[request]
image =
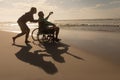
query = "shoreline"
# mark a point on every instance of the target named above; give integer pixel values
(71, 41)
(72, 63)
(103, 55)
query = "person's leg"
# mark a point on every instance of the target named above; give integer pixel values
(20, 34)
(27, 35)
(56, 29)
(57, 32)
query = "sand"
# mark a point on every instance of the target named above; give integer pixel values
(60, 61)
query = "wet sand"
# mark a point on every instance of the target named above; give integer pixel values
(62, 61)
(100, 43)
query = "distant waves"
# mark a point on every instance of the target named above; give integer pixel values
(91, 24)
(86, 27)
(13, 27)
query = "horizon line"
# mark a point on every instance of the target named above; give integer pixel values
(74, 19)
(89, 19)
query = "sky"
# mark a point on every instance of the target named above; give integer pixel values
(11, 10)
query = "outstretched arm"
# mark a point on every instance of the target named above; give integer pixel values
(48, 15)
(33, 20)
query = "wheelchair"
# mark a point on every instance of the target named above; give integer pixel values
(41, 36)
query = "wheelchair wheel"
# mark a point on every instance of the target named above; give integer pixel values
(36, 36)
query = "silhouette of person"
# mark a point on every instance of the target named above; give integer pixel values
(44, 25)
(22, 22)
(36, 59)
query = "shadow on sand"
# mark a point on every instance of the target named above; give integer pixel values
(35, 59)
(50, 50)
(56, 50)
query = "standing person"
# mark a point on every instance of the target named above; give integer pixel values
(44, 25)
(22, 22)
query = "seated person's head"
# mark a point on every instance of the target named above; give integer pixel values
(41, 14)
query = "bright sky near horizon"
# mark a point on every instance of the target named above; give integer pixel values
(11, 10)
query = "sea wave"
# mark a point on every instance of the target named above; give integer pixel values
(109, 28)
(85, 25)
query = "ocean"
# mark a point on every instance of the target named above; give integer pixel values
(91, 24)
(108, 25)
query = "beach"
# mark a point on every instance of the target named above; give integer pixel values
(86, 59)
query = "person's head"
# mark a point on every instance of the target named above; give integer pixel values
(33, 10)
(41, 14)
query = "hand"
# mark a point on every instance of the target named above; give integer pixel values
(51, 13)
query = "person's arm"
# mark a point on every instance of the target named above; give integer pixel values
(33, 20)
(48, 15)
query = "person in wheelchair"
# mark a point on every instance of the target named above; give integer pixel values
(47, 27)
